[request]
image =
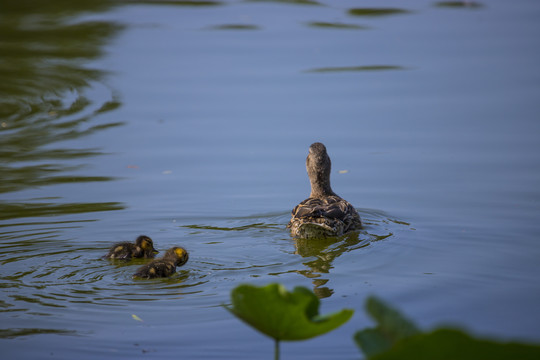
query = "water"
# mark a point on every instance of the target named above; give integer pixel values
(191, 124)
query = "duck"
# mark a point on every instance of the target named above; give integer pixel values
(324, 213)
(142, 248)
(165, 266)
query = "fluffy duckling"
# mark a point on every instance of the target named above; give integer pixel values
(165, 266)
(324, 213)
(143, 248)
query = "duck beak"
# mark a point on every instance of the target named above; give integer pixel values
(155, 251)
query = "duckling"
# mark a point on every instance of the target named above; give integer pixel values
(165, 266)
(324, 213)
(143, 248)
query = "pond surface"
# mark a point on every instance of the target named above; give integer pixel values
(190, 122)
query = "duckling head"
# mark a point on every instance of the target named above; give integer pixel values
(318, 167)
(177, 254)
(146, 244)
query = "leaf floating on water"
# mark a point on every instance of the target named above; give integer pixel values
(343, 171)
(135, 317)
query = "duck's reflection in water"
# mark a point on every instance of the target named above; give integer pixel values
(322, 253)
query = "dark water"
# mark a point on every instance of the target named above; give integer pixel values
(190, 122)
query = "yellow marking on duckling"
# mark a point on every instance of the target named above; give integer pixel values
(180, 252)
(152, 271)
(145, 244)
(118, 248)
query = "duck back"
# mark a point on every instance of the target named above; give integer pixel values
(323, 217)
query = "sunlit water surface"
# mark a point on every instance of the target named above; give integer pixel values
(190, 124)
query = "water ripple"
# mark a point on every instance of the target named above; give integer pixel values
(43, 273)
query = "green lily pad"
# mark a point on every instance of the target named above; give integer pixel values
(284, 315)
(397, 338)
(450, 344)
(391, 327)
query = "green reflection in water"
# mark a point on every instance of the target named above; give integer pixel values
(355, 68)
(46, 98)
(377, 11)
(173, 2)
(235, 27)
(13, 333)
(335, 25)
(459, 4)
(291, 2)
(325, 250)
(19, 210)
(322, 252)
(234, 228)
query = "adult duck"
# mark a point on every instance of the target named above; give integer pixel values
(324, 213)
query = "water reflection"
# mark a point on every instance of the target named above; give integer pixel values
(355, 68)
(313, 259)
(290, 2)
(336, 25)
(377, 12)
(13, 333)
(234, 228)
(35, 209)
(174, 2)
(324, 252)
(459, 4)
(234, 27)
(49, 96)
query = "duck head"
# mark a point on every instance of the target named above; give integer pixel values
(177, 254)
(146, 244)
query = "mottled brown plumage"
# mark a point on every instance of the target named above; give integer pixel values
(165, 266)
(324, 213)
(142, 248)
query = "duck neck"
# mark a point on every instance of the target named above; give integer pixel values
(321, 188)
